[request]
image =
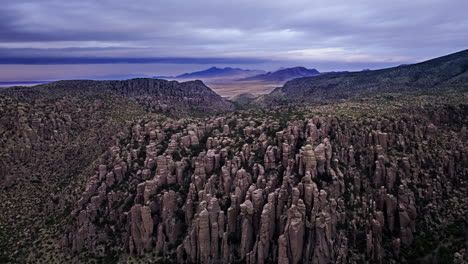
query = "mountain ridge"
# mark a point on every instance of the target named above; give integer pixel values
(156, 94)
(214, 72)
(284, 74)
(450, 70)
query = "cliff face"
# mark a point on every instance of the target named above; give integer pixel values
(153, 94)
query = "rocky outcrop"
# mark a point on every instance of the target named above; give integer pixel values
(246, 186)
(141, 229)
(322, 200)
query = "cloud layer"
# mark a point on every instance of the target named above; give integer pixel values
(339, 33)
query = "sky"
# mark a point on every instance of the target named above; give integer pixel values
(98, 39)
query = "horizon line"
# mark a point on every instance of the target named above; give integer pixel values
(128, 60)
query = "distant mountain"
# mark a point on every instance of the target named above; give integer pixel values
(20, 83)
(89, 77)
(118, 77)
(447, 72)
(283, 75)
(215, 72)
(333, 72)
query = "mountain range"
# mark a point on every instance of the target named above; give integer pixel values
(237, 74)
(215, 72)
(283, 75)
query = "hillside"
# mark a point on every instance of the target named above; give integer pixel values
(154, 94)
(447, 72)
(283, 75)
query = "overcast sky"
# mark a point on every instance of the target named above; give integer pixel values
(57, 39)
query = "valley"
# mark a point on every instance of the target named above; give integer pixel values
(362, 167)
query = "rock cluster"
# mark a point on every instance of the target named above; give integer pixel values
(320, 190)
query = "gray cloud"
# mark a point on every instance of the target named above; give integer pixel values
(333, 33)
